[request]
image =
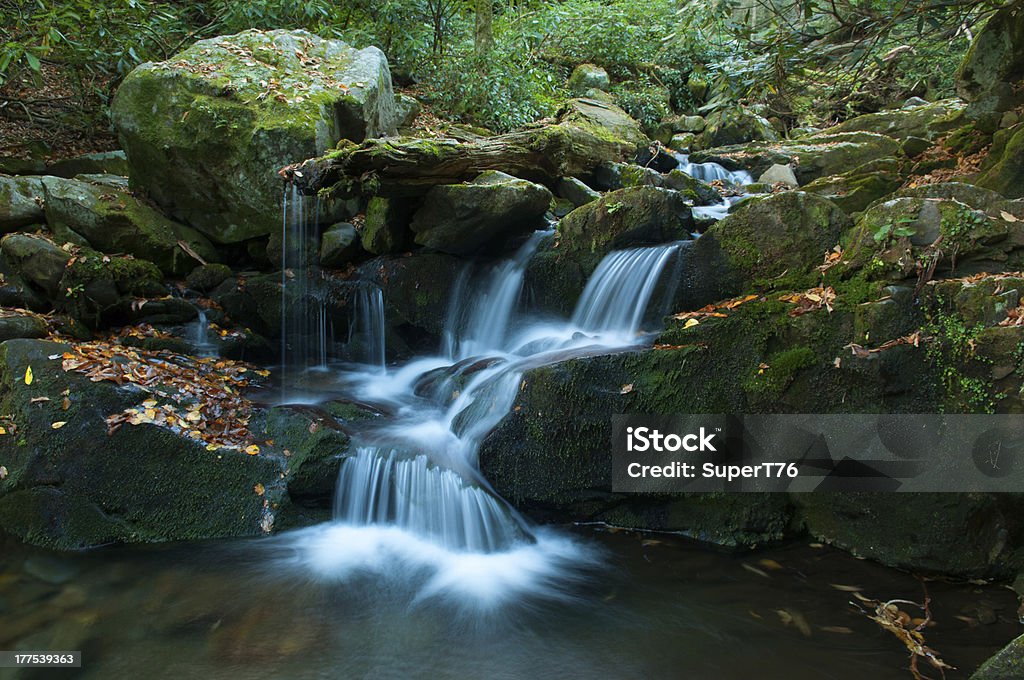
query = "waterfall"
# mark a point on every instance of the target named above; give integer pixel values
(617, 295)
(709, 172)
(366, 325)
(479, 321)
(199, 335)
(419, 471)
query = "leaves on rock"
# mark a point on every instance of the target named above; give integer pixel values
(28, 375)
(713, 310)
(810, 300)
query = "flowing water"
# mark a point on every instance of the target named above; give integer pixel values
(710, 172)
(199, 335)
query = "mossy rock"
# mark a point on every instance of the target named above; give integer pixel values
(116, 222)
(79, 487)
(21, 200)
(386, 229)
(819, 155)
(735, 126)
(486, 215)
(339, 246)
(784, 234)
(927, 121)
(588, 76)
(100, 163)
(207, 130)
(37, 260)
(628, 217)
(993, 66)
(99, 289)
(1006, 664)
(1007, 174)
(859, 188)
(21, 325)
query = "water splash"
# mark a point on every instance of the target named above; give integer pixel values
(709, 172)
(199, 335)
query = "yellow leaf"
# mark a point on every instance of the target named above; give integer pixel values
(193, 416)
(212, 447)
(28, 375)
(3, 431)
(252, 449)
(59, 424)
(691, 323)
(259, 489)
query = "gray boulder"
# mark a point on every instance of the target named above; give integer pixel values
(21, 202)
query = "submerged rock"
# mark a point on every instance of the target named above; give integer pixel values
(485, 214)
(207, 130)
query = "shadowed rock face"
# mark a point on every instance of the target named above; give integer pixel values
(207, 130)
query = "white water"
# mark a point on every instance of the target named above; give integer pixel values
(199, 335)
(710, 172)
(412, 503)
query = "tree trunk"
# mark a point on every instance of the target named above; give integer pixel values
(586, 134)
(484, 38)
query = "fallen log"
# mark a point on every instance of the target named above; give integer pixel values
(585, 133)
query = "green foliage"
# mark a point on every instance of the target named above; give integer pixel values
(900, 228)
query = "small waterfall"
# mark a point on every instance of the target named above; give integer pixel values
(199, 335)
(709, 172)
(382, 487)
(366, 325)
(479, 321)
(619, 291)
(303, 311)
(419, 472)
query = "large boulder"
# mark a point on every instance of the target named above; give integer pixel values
(207, 130)
(855, 190)
(485, 214)
(38, 260)
(633, 216)
(114, 221)
(386, 229)
(1006, 664)
(993, 66)
(21, 202)
(586, 77)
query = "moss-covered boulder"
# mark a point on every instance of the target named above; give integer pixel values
(575, 191)
(735, 126)
(627, 217)
(21, 324)
(114, 221)
(901, 237)
(206, 277)
(207, 130)
(783, 235)
(487, 214)
(993, 66)
(99, 163)
(926, 121)
(76, 487)
(819, 155)
(1007, 174)
(99, 289)
(21, 202)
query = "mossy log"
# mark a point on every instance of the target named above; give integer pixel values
(584, 134)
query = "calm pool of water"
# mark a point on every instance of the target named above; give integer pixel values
(657, 607)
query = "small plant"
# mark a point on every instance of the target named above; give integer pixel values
(898, 229)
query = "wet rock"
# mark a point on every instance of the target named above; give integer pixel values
(1006, 664)
(116, 222)
(205, 138)
(339, 246)
(927, 121)
(683, 141)
(485, 214)
(97, 289)
(588, 76)
(624, 218)
(693, 190)
(21, 202)
(859, 188)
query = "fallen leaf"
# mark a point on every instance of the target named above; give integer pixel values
(36, 400)
(626, 389)
(59, 424)
(846, 589)
(690, 323)
(28, 375)
(837, 629)
(754, 570)
(252, 449)
(3, 472)
(1008, 217)
(259, 489)
(770, 564)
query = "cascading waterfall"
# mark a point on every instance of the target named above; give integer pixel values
(366, 325)
(199, 335)
(480, 322)
(710, 172)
